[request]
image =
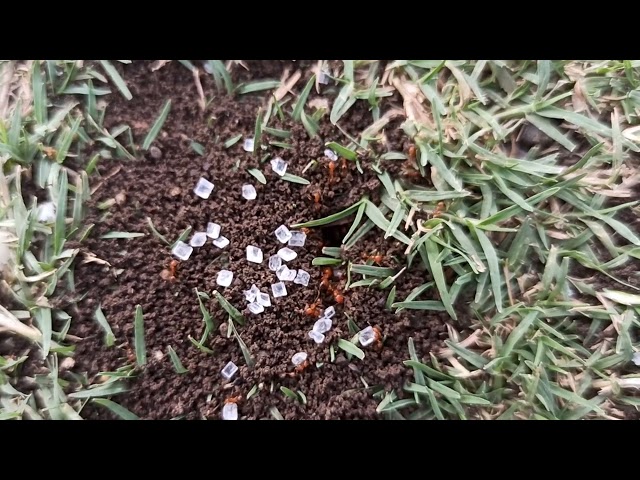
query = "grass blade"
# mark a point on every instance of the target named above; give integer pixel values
(230, 309)
(342, 151)
(157, 126)
(302, 100)
(119, 410)
(258, 86)
(117, 79)
(258, 175)
(109, 337)
(139, 341)
(350, 348)
(437, 272)
(257, 136)
(492, 261)
(113, 235)
(177, 364)
(295, 179)
(342, 103)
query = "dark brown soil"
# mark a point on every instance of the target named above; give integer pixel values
(162, 190)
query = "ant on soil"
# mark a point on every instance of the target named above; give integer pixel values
(327, 274)
(378, 338)
(441, 208)
(377, 258)
(235, 399)
(332, 168)
(170, 273)
(313, 310)
(300, 368)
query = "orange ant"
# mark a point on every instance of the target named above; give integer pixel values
(170, 273)
(50, 152)
(300, 368)
(327, 273)
(337, 296)
(332, 167)
(377, 258)
(441, 207)
(378, 338)
(235, 399)
(344, 164)
(313, 310)
(305, 230)
(412, 152)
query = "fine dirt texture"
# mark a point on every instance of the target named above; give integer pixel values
(159, 187)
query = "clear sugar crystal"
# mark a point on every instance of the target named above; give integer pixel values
(256, 308)
(279, 166)
(221, 241)
(198, 239)
(366, 336)
(225, 277)
(229, 370)
(182, 251)
(323, 325)
(282, 234)
(299, 358)
(274, 262)
(254, 254)
(283, 273)
(329, 312)
(316, 336)
(264, 299)
(248, 145)
(287, 254)
(279, 290)
(230, 411)
(302, 278)
(203, 188)
(249, 192)
(252, 293)
(213, 230)
(297, 239)
(331, 155)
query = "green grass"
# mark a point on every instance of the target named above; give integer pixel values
(513, 231)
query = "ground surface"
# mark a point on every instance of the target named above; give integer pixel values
(561, 346)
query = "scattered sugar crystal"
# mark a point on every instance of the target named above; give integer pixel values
(322, 325)
(302, 278)
(213, 230)
(279, 290)
(330, 154)
(221, 241)
(283, 273)
(198, 239)
(248, 145)
(329, 312)
(203, 188)
(256, 308)
(230, 411)
(208, 68)
(297, 239)
(254, 254)
(279, 166)
(274, 262)
(229, 370)
(287, 254)
(252, 293)
(366, 336)
(182, 251)
(47, 212)
(282, 234)
(323, 78)
(249, 192)
(299, 358)
(224, 278)
(264, 299)
(316, 336)
(636, 359)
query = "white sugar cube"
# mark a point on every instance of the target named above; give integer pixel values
(221, 241)
(256, 308)
(274, 262)
(249, 192)
(367, 336)
(229, 370)
(287, 254)
(636, 359)
(302, 278)
(230, 411)
(252, 293)
(198, 239)
(299, 358)
(203, 188)
(224, 278)
(297, 239)
(316, 336)
(329, 312)
(182, 250)
(264, 299)
(331, 155)
(254, 254)
(322, 325)
(213, 230)
(323, 78)
(279, 290)
(47, 212)
(282, 234)
(279, 166)
(248, 145)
